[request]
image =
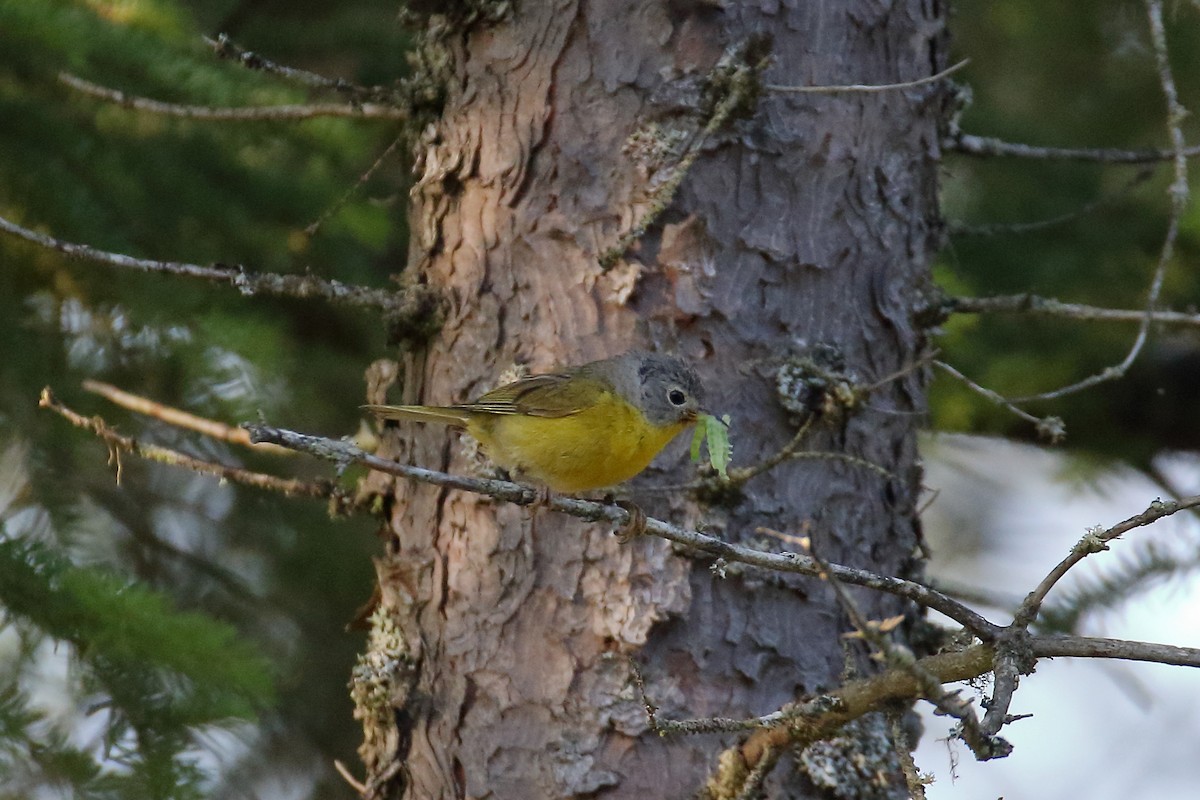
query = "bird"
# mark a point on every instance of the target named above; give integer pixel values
(581, 428)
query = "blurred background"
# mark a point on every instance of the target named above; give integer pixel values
(189, 565)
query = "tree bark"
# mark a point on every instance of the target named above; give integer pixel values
(804, 230)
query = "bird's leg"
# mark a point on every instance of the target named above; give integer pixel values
(635, 526)
(545, 495)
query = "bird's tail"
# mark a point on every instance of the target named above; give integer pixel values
(446, 415)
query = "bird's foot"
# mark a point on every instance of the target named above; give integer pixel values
(635, 526)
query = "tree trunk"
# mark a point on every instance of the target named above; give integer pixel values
(801, 235)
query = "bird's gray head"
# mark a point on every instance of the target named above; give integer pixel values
(665, 388)
(671, 390)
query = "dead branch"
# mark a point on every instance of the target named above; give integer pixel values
(1050, 307)
(854, 699)
(344, 453)
(415, 306)
(314, 226)
(818, 718)
(983, 743)
(955, 228)
(869, 87)
(224, 47)
(118, 444)
(1050, 427)
(1178, 193)
(236, 114)
(177, 417)
(984, 146)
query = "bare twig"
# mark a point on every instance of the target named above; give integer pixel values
(789, 726)
(349, 778)
(312, 228)
(1014, 657)
(752, 786)
(417, 304)
(985, 745)
(903, 748)
(1002, 228)
(1178, 193)
(235, 114)
(739, 476)
(118, 444)
(1006, 672)
(1049, 424)
(1095, 541)
(869, 87)
(343, 452)
(969, 144)
(1049, 307)
(818, 718)
(1117, 649)
(180, 419)
(224, 47)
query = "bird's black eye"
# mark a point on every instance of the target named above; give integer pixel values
(676, 397)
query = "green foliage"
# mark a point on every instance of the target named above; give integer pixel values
(158, 672)
(86, 170)
(139, 646)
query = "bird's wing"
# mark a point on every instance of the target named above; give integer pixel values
(554, 395)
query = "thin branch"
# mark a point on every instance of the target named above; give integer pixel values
(417, 304)
(1094, 541)
(1117, 649)
(1002, 228)
(117, 443)
(312, 228)
(984, 744)
(752, 786)
(344, 453)
(1009, 665)
(235, 114)
(1176, 113)
(1178, 193)
(739, 476)
(800, 724)
(178, 418)
(869, 87)
(1050, 307)
(1050, 426)
(349, 778)
(224, 47)
(820, 717)
(984, 146)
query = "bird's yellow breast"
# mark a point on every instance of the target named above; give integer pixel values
(606, 443)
